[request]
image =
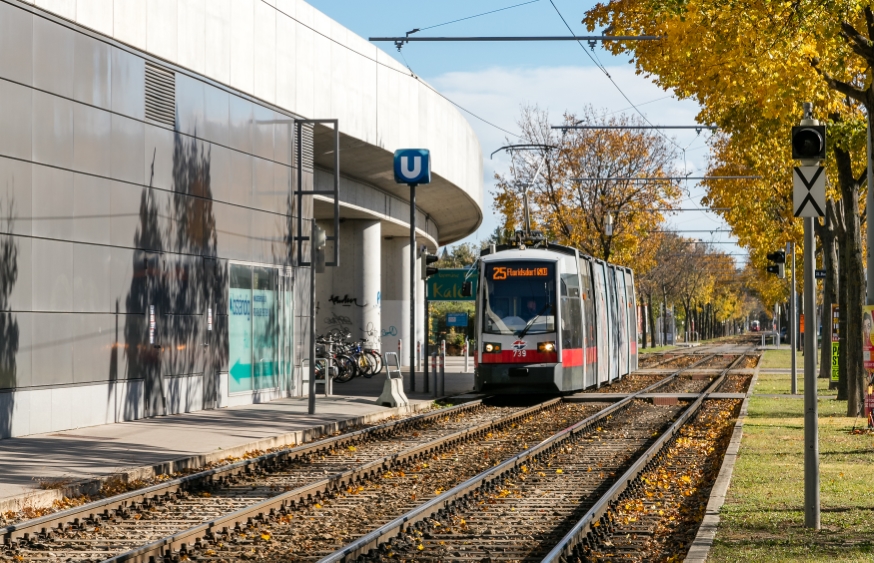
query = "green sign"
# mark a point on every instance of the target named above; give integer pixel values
(446, 284)
(836, 337)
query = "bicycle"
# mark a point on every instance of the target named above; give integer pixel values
(344, 367)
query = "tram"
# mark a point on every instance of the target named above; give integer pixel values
(552, 320)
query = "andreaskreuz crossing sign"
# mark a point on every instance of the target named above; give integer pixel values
(808, 191)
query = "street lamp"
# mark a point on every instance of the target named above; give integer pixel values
(608, 226)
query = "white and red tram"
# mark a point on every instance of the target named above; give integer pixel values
(550, 320)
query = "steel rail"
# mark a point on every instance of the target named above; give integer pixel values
(583, 527)
(107, 507)
(382, 534)
(666, 357)
(282, 503)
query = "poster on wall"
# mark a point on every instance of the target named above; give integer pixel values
(263, 305)
(240, 332)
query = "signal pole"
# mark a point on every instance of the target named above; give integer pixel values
(808, 146)
(793, 317)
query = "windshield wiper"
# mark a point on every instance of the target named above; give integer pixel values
(524, 331)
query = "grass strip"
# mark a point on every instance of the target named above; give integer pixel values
(782, 359)
(763, 517)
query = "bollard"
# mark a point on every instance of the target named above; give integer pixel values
(329, 371)
(442, 389)
(434, 372)
(393, 388)
(400, 348)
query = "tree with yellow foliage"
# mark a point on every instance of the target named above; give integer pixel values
(749, 65)
(581, 177)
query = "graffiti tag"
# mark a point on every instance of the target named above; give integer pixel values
(345, 301)
(338, 320)
(390, 331)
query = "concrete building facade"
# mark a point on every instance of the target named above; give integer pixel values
(147, 210)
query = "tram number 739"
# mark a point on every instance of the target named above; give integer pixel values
(519, 350)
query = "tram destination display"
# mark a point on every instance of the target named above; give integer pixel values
(506, 272)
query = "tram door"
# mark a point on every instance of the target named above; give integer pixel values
(602, 323)
(632, 320)
(613, 321)
(622, 310)
(590, 340)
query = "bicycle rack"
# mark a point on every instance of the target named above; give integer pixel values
(393, 389)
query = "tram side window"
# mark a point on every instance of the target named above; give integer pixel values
(571, 312)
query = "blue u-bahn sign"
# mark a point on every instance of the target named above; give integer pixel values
(413, 166)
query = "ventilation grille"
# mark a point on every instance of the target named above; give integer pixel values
(160, 94)
(307, 146)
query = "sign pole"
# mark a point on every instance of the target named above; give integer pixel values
(808, 202)
(412, 167)
(426, 348)
(311, 400)
(811, 408)
(412, 287)
(793, 318)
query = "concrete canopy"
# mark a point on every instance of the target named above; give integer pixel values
(452, 210)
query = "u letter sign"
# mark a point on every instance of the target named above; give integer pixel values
(413, 166)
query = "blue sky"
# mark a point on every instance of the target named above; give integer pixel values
(493, 80)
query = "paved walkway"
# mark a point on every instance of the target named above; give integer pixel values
(152, 446)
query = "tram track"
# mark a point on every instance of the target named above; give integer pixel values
(170, 514)
(547, 497)
(312, 461)
(193, 516)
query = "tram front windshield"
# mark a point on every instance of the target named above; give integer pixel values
(518, 293)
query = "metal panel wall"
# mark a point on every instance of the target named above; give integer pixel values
(104, 214)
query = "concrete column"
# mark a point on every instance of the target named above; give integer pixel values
(368, 237)
(395, 296)
(349, 297)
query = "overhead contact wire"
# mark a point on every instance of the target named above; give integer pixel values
(476, 16)
(610, 78)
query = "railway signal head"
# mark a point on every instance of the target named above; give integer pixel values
(808, 138)
(779, 260)
(428, 271)
(808, 142)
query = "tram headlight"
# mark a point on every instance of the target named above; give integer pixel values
(491, 348)
(546, 347)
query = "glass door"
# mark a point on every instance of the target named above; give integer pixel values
(260, 319)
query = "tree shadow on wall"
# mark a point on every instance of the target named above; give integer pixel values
(176, 271)
(9, 333)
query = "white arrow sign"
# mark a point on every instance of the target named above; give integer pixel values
(808, 191)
